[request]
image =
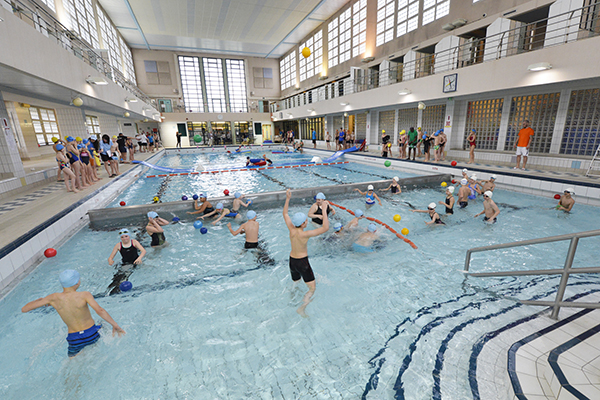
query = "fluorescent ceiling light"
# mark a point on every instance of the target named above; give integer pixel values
(131, 99)
(542, 66)
(368, 59)
(344, 104)
(310, 110)
(96, 80)
(404, 92)
(459, 22)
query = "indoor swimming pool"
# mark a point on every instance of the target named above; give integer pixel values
(206, 319)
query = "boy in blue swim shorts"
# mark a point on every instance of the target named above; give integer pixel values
(72, 306)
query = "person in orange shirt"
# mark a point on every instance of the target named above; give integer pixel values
(522, 144)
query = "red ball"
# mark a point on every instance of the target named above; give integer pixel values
(226, 192)
(122, 203)
(453, 181)
(50, 252)
(557, 196)
(453, 163)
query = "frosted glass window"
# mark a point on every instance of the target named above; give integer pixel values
(82, 20)
(191, 83)
(408, 16)
(50, 4)
(359, 27)
(93, 125)
(347, 34)
(287, 70)
(385, 21)
(128, 70)
(313, 64)
(435, 9)
(110, 40)
(333, 37)
(214, 83)
(44, 125)
(236, 83)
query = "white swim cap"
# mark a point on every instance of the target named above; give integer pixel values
(493, 177)
(450, 189)
(396, 178)
(372, 227)
(431, 206)
(464, 181)
(370, 187)
(465, 170)
(488, 193)
(570, 190)
(474, 177)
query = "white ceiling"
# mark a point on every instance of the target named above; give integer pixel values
(258, 28)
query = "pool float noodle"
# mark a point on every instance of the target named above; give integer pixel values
(414, 246)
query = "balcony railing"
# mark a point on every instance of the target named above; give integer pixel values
(564, 28)
(50, 27)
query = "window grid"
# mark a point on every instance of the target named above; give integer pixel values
(236, 82)
(408, 16)
(385, 21)
(541, 111)
(128, 70)
(287, 70)
(484, 116)
(408, 118)
(313, 64)
(333, 37)
(93, 125)
(435, 9)
(50, 4)
(82, 20)
(359, 28)
(345, 37)
(433, 118)
(191, 83)
(44, 125)
(583, 123)
(109, 40)
(213, 80)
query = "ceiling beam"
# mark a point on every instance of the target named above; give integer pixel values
(139, 28)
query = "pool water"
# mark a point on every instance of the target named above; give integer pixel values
(172, 188)
(207, 321)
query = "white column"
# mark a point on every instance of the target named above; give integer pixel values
(449, 119)
(395, 139)
(504, 123)
(419, 118)
(368, 127)
(10, 160)
(373, 133)
(561, 120)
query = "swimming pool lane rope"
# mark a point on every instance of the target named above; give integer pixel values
(414, 246)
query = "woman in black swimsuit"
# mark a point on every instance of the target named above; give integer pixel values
(449, 201)
(394, 187)
(316, 210)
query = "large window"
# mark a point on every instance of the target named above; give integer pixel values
(582, 127)
(50, 4)
(213, 80)
(110, 39)
(128, 70)
(340, 38)
(484, 116)
(313, 64)
(359, 27)
(433, 118)
(236, 82)
(287, 69)
(435, 9)
(191, 83)
(44, 125)
(93, 125)
(385, 21)
(82, 20)
(408, 16)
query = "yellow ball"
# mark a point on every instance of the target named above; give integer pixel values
(404, 231)
(444, 184)
(306, 52)
(156, 199)
(397, 217)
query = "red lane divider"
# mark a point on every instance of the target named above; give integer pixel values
(414, 246)
(246, 169)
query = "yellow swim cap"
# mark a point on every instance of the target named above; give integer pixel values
(78, 139)
(403, 132)
(54, 139)
(114, 137)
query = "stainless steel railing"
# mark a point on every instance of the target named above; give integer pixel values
(565, 271)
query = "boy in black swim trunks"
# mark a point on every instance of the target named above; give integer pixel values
(490, 209)
(299, 265)
(249, 228)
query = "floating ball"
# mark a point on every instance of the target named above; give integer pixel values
(195, 197)
(226, 192)
(197, 224)
(557, 196)
(444, 184)
(453, 163)
(122, 203)
(176, 219)
(197, 138)
(203, 231)
(397, 217)
(50, 252)
(184, 198)
(306, 52)
(387, 163)
(404, 231)
(125, 286)
(453, 181)
(156, 199)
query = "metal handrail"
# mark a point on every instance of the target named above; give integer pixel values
(565, 271)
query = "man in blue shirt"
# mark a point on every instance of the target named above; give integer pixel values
(342, 140)
(314, 139)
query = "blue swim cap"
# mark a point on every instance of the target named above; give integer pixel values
(80, 146)
(473, 130)
(372, 227)
(59, 147)
(251, 214)
(70, 138)
(86, 141)
(202, 196)
(68, 278)
(338, 226)
(219, 206)
(358, 213)
(298, 219)
(237, 195)
(320, 196)
(152, 214)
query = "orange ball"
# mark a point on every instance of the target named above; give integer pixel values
(404, 231)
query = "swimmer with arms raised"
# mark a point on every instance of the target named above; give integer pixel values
(249, 228)
(204, 208)
(490, 208)
(72, 306)
(358, 215)
(299, 265)
(566, 202)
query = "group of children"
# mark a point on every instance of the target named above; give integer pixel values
(412, 141)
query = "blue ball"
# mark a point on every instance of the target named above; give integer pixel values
(184, 198)
(203, 231)
(195, 197)
(125, 286)
(198, 224)
(176, 219)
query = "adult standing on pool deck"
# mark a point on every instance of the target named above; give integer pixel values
(178, 135)
(316, 210)
(490, 209)
(328, 140)
(413, 138)
(522, 144)
(472, 139)
(299, 265)
(342, 139)
(566, 202)
(155, 230)
(314, 139)
(249, 228)
(72, 306)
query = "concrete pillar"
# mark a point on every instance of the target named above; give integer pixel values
(449, 120)
(373, 133)
(504, 120)
(561, 120)
(16, 126)
(395, 138)
(368, 129)
(10, 160)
